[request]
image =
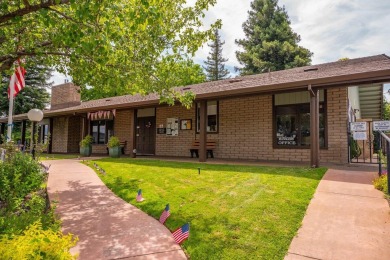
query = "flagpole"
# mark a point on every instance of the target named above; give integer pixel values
(11, 106)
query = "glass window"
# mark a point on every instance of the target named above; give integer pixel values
(212, 117)
(101, 130)
(293, 125)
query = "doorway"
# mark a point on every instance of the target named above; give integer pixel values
(146, 131)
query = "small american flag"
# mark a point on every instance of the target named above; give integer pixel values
(139, 196)
(19, 83)
(165, 214)
(181, 233)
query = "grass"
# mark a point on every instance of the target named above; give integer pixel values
(45, 157)
(235, 212)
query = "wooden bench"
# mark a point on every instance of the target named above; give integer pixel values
(122, 144)
(210, 146)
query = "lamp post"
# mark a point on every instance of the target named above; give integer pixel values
(34, 115)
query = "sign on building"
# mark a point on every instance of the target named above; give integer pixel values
(360, 135)
(358, 126)
(381, 125)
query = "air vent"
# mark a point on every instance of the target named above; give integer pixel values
(235, 80)
(108, 99)
(310, 69)
(187, 88)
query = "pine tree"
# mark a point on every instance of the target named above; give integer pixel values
(270, 43)
(33, 95)
(215, 68)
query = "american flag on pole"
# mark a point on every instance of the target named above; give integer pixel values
(18, 80)
(139, 196)
(165, 214)
(181, 233)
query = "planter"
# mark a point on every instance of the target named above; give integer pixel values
(115, 152)
(86, 151)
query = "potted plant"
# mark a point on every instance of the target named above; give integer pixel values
(86, 146)
(114, 148)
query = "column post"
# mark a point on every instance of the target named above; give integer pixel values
(23, 133)
(314, 127)
(203, 131)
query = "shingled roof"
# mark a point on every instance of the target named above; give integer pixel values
(340, 73)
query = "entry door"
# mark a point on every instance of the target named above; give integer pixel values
(146, 135)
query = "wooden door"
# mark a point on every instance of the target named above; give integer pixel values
(146, 135)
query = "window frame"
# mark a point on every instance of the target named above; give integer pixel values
(196, 117)
(98, 132)
(274, 124)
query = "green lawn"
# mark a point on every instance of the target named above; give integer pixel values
(45, 156)
(235, 212)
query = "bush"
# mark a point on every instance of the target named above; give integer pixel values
(355, 149)
(87, 141)
(113, 142)
(16, 220)
(19, 176)
(380, 183)
(36, 243)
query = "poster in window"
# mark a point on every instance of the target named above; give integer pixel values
(186, 124)
(172, 126)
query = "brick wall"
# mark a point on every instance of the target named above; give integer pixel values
(124, 127)
(60, 135)
(245, 130)
(175, 145)
(65, 95)
(74, 134)
(99, 149)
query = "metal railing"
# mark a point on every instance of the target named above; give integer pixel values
(387, 149)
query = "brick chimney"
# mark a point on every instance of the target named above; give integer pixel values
(65, 95)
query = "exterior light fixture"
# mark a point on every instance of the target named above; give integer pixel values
(34, 115)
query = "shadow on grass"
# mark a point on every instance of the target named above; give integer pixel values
(304, 172)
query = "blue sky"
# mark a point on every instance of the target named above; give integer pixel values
(331, 29)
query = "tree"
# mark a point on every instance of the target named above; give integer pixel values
(270, 43)
(215, 62)
(106, 44)
(184, 73)
(33, 95)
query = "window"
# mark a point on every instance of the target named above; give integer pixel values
(292, 120)
(293, 125)
(101, 131)
(212, 117)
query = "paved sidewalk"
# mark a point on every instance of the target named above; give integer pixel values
(107, 226)
(346, 219)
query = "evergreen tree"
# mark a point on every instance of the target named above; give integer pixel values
(270, 43)
(215, 68)
(33, 95)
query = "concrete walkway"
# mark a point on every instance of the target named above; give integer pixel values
(107, 226)
(346, 219)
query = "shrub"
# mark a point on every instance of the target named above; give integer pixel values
(113, 142)
(87, 141)
(355, 149)
(380, 183)
(19, 176)
(36, 243)
(15, 220)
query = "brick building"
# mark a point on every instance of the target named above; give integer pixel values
(299, 114)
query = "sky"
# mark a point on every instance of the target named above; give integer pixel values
(331, 29)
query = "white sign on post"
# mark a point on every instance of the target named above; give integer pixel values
(381, 125)
(358, 126)
(360, 135)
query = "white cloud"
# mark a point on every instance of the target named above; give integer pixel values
(330, 29)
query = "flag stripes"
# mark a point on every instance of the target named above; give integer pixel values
(139, 196)
(181, 233)
(165, 214)
(19, 82)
